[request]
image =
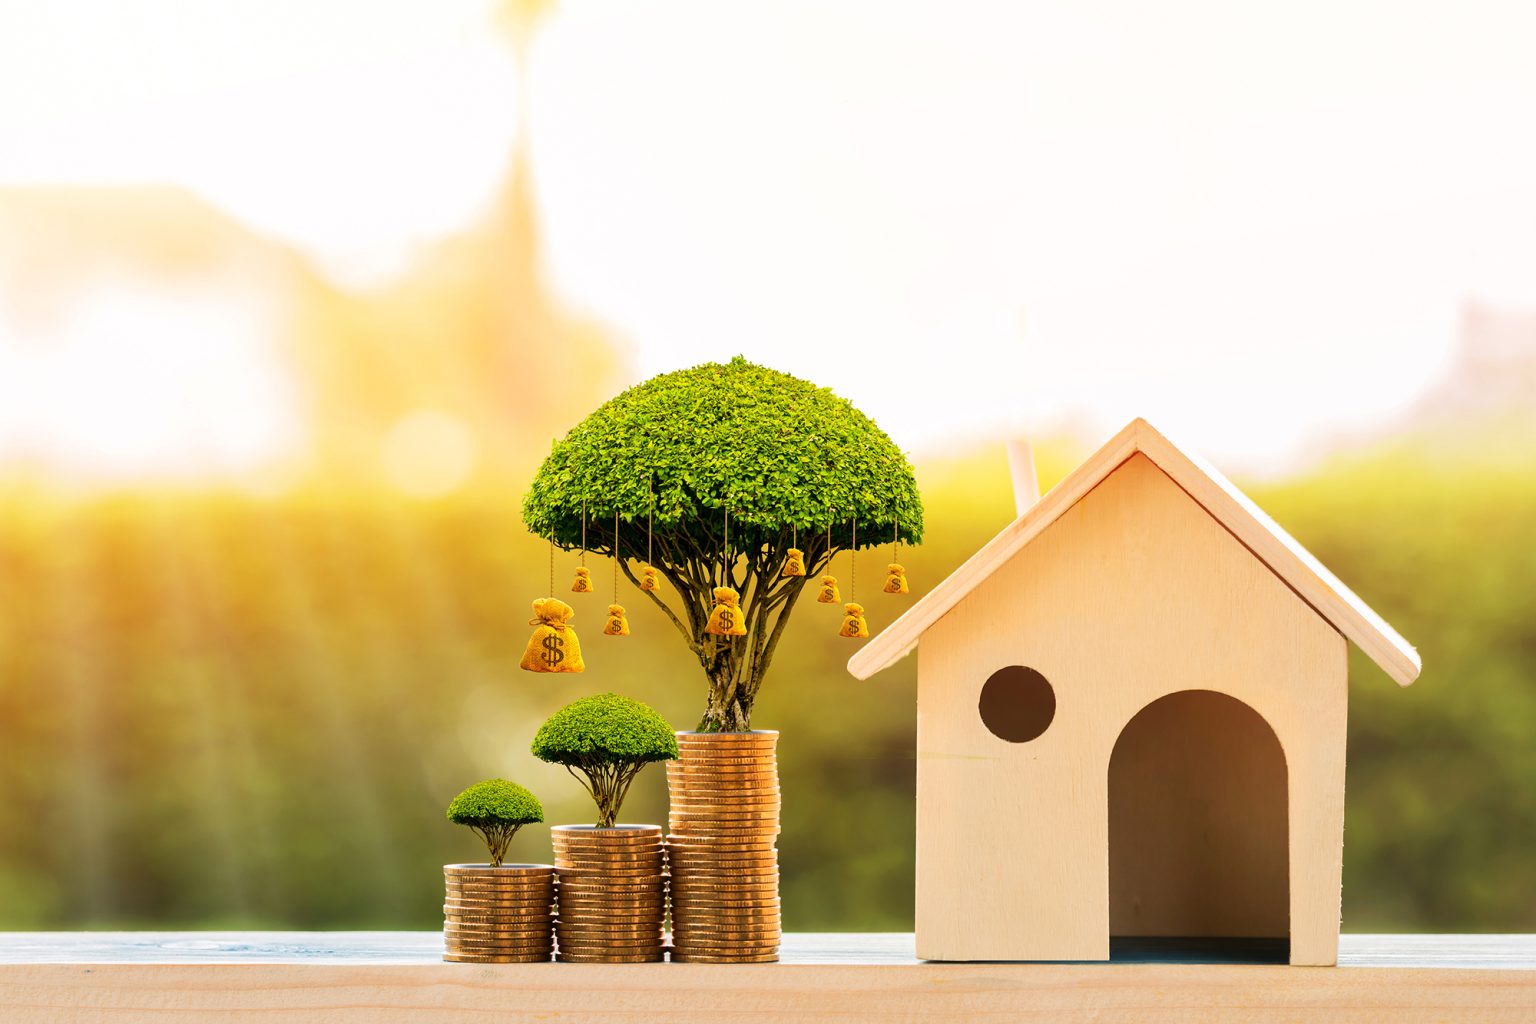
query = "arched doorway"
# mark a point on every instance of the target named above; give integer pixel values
(1198, 828)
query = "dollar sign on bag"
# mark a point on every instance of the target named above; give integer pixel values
(726, 622)
(553, 655)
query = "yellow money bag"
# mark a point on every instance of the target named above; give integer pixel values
(583, 584)
(617, 624)
(828, 593)
(794, 564)
(553, 646)
(854, 625)
(648, 580)
(895, 579)
(726, 619)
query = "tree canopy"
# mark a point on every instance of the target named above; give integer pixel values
(712, 475)
(604, 741)
(773, 450)
(606, 729)
(494, 810)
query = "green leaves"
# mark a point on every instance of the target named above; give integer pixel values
(775, 450)
(605, 729)
(495, 802)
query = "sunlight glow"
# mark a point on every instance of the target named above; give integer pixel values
(1254, 224)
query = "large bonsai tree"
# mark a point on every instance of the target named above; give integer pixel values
(494, 810)
(604, 741)
(787, 460)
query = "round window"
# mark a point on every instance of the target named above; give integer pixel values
(1017, 704)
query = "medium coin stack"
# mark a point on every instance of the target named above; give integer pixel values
(723, 829)
(500, 915)
(612, 894)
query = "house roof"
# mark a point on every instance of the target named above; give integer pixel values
(1292, 563)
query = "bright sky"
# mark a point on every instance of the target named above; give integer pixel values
(1252, 223)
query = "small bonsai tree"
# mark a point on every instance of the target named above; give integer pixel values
(794, 465)
(494, 810)
(604, 741)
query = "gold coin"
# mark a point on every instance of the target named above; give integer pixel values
(475, 899)
(763, 772)
(509, 943)
(488, 906)
(539, 938)
(484, 920)
(578, 886)
(500, 892)
(605, 845)
(707, 912)
(619, 833)
(647, 958)
(708, 958)
(578, 898)
(504, 871)
(726, 902)
(609, 856)
(732, 818)
(688, 841)
(495, 958)
(594, 937)
(579, 879)
(734, 945)
(694, 867)
(596, 942)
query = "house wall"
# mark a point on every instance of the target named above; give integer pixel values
(1134, 593)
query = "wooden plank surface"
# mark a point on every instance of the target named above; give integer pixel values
(396, 977)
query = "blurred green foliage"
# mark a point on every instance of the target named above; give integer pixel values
(226, 711)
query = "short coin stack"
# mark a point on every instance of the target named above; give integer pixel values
(724, 827)
(612, 893)
(500, 915)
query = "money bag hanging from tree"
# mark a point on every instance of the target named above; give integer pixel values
(777, 451)
(553, 646)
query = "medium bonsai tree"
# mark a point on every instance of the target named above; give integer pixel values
(494, 810)
(792, 464)
(604, 741)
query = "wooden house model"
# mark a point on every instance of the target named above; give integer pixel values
(1131, 720)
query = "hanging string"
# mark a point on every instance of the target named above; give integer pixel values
(551, 560)
(583, 532)
(853, 559)
(615, 556)
(727, 547)
(650, 517)
(895, 537)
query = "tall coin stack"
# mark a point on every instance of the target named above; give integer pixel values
(725, 867)
(612, 894)
(500, 915)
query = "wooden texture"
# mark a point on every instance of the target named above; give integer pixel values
(1308, 577)
(1133, 593)
(396, 978)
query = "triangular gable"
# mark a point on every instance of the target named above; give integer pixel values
(1261, 535)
